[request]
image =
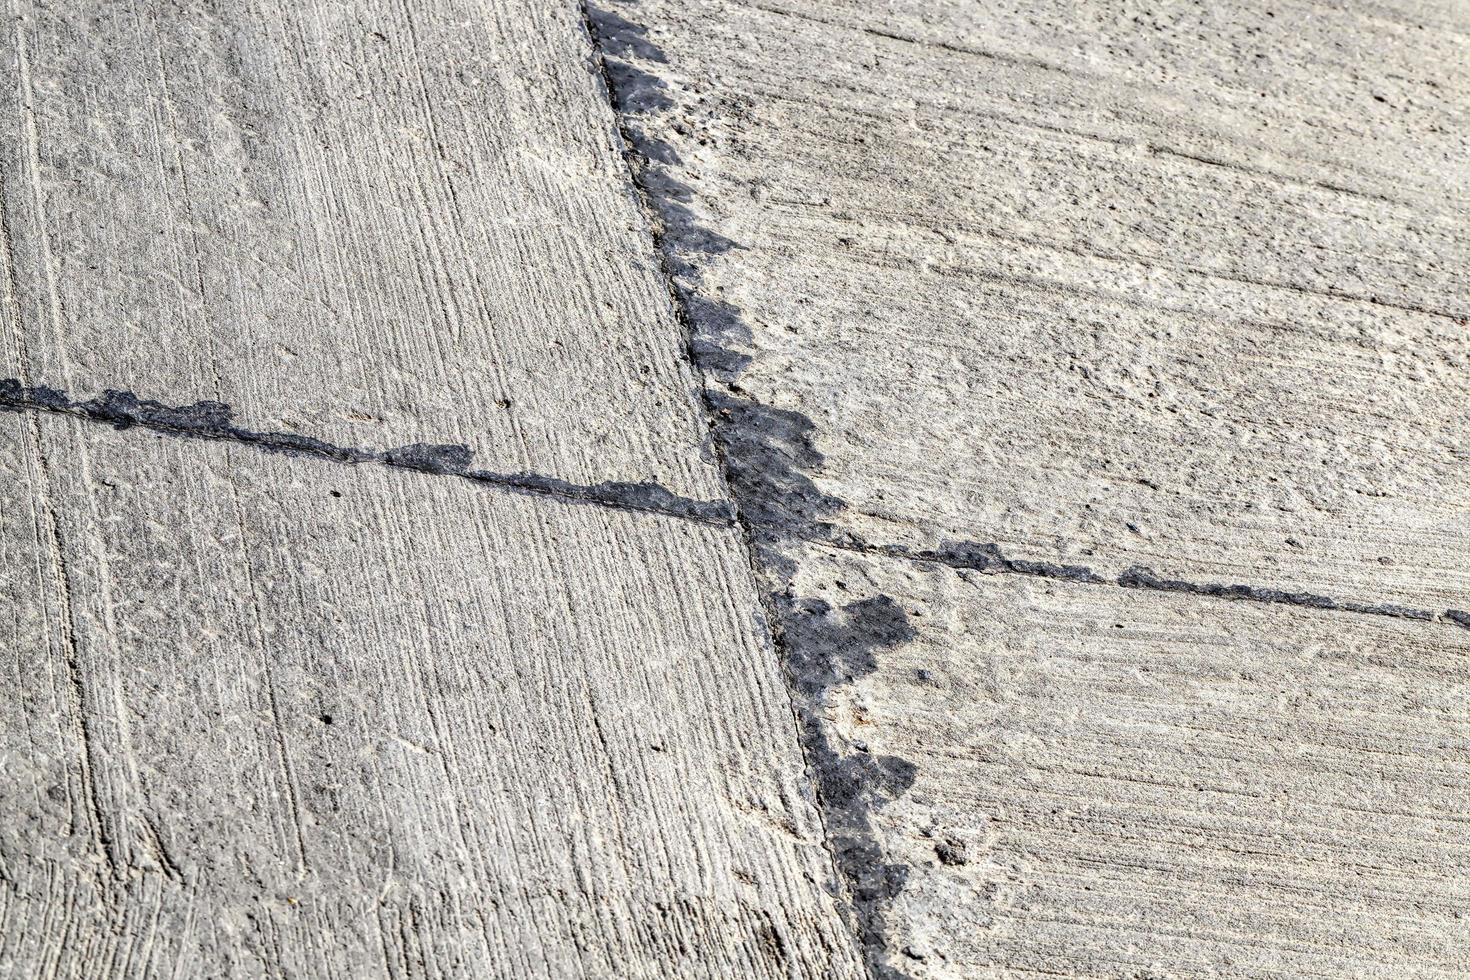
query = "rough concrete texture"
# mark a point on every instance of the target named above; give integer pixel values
(1093, 382)
(368, 223)
(1170, 285)
(1073, 584)
(273, 716)
(1148, 785)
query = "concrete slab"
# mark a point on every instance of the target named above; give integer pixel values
(1097, 284)
(410, 630)
(276, 716)
(1078, 780)
(371, 224)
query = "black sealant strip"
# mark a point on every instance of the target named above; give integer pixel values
(215, 421)
(988, 558)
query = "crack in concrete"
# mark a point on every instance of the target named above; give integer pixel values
(754, 478)
(768, 458)
(214, 421)
(210, 420)
(991, 560)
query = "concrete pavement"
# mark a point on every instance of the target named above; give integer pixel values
(734, 489)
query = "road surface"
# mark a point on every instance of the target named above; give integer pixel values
(755, 488)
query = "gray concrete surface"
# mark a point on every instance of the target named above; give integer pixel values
(772, 489)
(1093, 380)
(1105, 284)
(273, 716)
(370, 223)
(1148, 785)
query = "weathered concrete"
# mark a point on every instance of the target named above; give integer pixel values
(274, 716)
(1089, 782)
(374, 224)
(278, 704)
(411, 630)
(1033, 336)
(1104, 284)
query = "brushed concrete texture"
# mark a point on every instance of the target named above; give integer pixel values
(374, 224)
(1177, 285)
(416, 627)
(1086, 781)
(275, 716)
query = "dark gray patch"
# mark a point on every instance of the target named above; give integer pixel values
(656, 498)
(826, 649)
(951, 853)
(1138, 577)
(637, 95)
(970, 555)
(650, 497)
(1459, 617)
(989, 558)
(768, 456)
(197, 420)
(638, 92)
(44, 397)
(720, 332)
(838, 649)
(431, 458)
(621, 37)
(124, 408)
(1386, 609)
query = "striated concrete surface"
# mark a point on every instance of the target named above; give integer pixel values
(1092, 381)
(405, 631)
(370, 223)
(273, 716)
(1083, 783)
(765, 488)
(1104, 285)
